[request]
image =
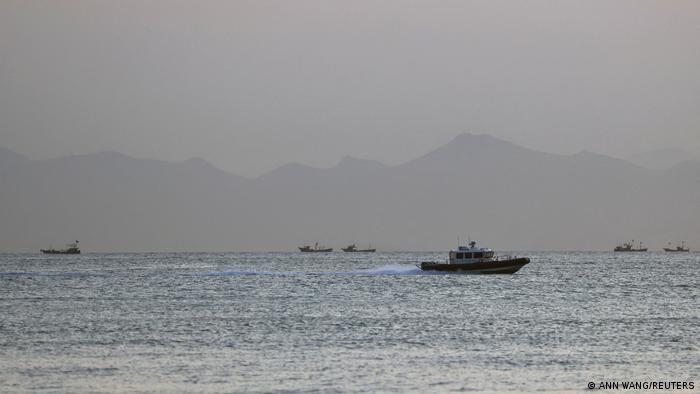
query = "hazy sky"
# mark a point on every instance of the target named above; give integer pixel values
(251, 85)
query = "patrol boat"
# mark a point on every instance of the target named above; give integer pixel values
(473, 260)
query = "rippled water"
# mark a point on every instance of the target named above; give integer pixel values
(336, 322)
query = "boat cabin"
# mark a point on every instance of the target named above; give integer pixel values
(470, 254)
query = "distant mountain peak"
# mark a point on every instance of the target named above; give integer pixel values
(470, 137)
(110, 154)
(353, 162)
(471, 143)
(481, 141)
(468, 149)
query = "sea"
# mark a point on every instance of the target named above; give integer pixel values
(344, 323)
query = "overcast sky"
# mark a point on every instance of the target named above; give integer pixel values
(251, 85)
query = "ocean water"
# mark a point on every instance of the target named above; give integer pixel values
(292, 322)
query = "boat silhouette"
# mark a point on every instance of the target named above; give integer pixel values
(678, 248)
(315, 249)
(353, 249)
(71, 248)
(629, 247)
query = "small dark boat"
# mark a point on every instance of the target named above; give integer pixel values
(473, 260)
(680, 248)
(315, 249)
(353, 249)
(629, 247)
(70, 249)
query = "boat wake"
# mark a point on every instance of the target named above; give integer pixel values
(49, 274)
(391, 270)
(383, 270)
(249, 273)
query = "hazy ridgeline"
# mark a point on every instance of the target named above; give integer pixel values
(500, 193)
(251, 86)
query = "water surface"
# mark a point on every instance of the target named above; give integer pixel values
(292, 322)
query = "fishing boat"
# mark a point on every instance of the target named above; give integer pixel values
(315, 249)
(629, 247)
(353, 249)
(680, 248)
(474, 260)
(71, 248)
